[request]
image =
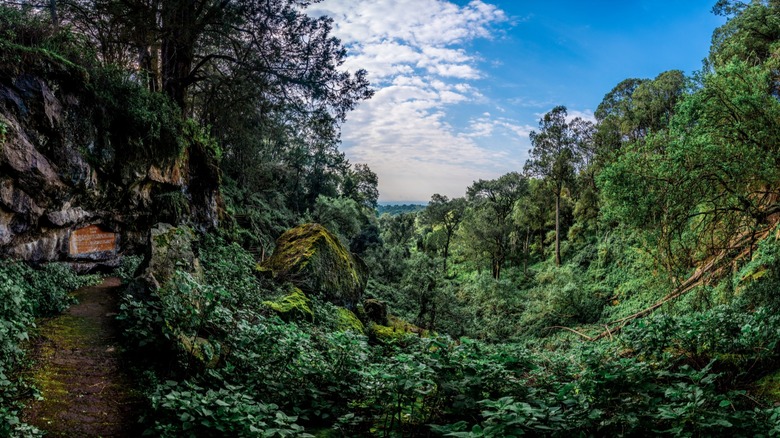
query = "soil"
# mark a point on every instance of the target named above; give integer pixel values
(78, 370)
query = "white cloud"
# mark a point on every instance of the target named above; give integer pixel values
(571, 114)
(487, 126)
(414, 53)
(584, 115)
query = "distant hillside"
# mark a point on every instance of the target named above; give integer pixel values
(396, 209)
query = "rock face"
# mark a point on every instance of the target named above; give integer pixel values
(169, 249)
(63, 168)
(314, 260)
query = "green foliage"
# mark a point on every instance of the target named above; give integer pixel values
(396, 209)
(186, 410)
(29, 42)
(757, 282)
(676, 374)
(128, 267)
(25, 294)
(341, 215)
(561, 298)
(144, 126)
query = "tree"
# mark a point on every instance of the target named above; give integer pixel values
(749, 35)
(711, 176)
(262, 74)
(555, 155)
(616, 118)
(360, 184)
(447, 214)
(532, 215)
(488, 221)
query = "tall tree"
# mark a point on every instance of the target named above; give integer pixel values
(360, 184)
(555, 155)
(447, 214)
(488, 221)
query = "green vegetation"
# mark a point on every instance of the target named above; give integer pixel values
(624, 284)
(396, 209)
(26, 294)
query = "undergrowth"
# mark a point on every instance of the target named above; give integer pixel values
(26, 294)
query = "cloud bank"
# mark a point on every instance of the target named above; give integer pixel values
(416, 54)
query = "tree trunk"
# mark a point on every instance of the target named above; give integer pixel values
(446, 252)
(526, 249)
(558, 229)
(178, 48)
(55, 20)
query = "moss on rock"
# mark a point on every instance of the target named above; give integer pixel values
(348, 321)
(295, 306)
(769, 387)
(395, 330)
(170, 249)
(313, 259)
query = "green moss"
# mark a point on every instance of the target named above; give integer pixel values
(769, 387)
(295, 306)
(348, 321)
(396, 330)
(313, 259)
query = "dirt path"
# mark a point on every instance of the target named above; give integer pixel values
(79, 372)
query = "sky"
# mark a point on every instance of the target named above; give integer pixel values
(459, 85)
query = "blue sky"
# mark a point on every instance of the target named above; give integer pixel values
(460, 84)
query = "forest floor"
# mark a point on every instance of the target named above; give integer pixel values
(78, 370)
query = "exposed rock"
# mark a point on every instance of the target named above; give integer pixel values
(63, 167)
(68, 215)
(313, 259)
(5, 227)
(170, 248)
(45, 248)
(17, 200)
(171, 175)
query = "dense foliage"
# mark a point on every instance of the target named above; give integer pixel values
(625, 283)
(26, 294)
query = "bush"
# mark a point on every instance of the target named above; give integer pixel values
(188, 410)
(26, 293)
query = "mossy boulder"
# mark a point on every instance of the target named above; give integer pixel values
(295, 306)
(313, 259)
(170, 249)
(348, 321)
(395, 330)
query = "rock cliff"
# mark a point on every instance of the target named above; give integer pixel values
(89, 161)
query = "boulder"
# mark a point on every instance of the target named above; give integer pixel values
(313, 259)
(295, 306)
(347, 321)
(170, 248)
